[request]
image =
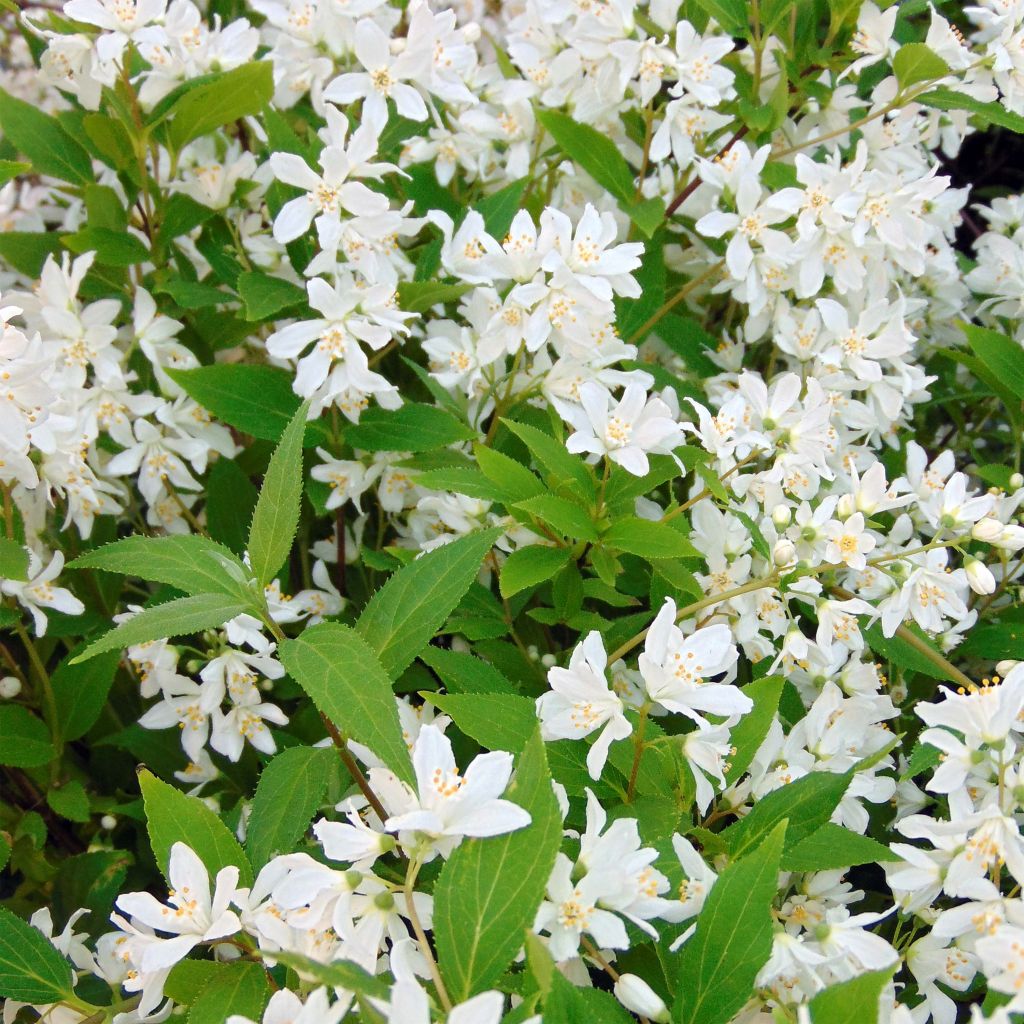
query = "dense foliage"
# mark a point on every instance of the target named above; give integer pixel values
(510, 511)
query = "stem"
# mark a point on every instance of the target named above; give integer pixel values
(920, 646)
(353, 768)
(693, 185)
(675, 300)
(421, 935)
(638, 752)
(690, 609)
(706, 493)
(8, 510)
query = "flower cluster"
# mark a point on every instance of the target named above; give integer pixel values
(617, 398)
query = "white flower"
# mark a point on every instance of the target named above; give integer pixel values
(386, 76)
(571, 910)
(191, 915)
(285, 1007)
(627, 433)
(676, 668)
(848, 542)
(446, 805)
(582, 701)
(38, 591)
(120, 20)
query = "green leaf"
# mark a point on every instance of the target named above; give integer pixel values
(832, 846)
(402, 617)
(11, 169)
(647, 539)
(1001, 355)
(497, 721)
(529, 566)
(851, 1002)
(901, 653)
(13, 560)
(499, 208)
(461, 480)
(489, 889)
(412, 427)
(807, 804)
(172, 618)
(347, 683)
(172, 817)
(187, 562)
(688, 340)
(265, 296)
(923, 758)
(647, 214)
(193, 294)
(567, 518)
(69, 801)
(42, 139)
(515, 480)
(995, 642)
(593, 151)
(561, 466)
(465, 673)
(236, 988)
(748, 734)
(733, 940)
(24, 739)
(31, 970)
(91, 880)
(225, 98)
(26, 251)
(253, 398)
(338, 973)
(181, 215)
(993, 112)
(915, 62)
(419, 296)
(276, 516)
(290, 790)
(112, 248)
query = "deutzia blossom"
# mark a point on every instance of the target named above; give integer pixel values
(581, 702)
(447, 805)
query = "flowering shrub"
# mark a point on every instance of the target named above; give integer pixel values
(510, 512)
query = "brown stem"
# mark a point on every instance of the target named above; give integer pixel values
(692, 186)
(353, 769)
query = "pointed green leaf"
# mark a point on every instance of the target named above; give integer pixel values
(489, 889)
(403, 616)
(31, 970)
(276, 517)
(236, 988)
(172, 816)
(648, 539)
(338, 669)
(856, 1001)
(566, 517)
(234, 94)
(530, 566)
(187, 562)
(733, 940)
(413, 427)
(290, 790)
(42, 139)
(915, 62)
(832, 846)
(173, 618)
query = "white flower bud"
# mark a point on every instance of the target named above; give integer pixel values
(781, 516)
(979, 576)
(846, 507)
(1016, 482)
(784, 552)
(637, 996)
(1011, 538)
(108, 821)
(1006, 666)
(548, 660)
(9, 687)
(471, 32)
(987, 530)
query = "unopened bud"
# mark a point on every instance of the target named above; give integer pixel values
(846, 507)
(1004, 668)
(548, 660)
(1016, 482)
(784, 552)
(979, 576)
(637, 996)
(108, 822)
(781, 516)
(471, 32)
(987, 530)
(10, 687)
